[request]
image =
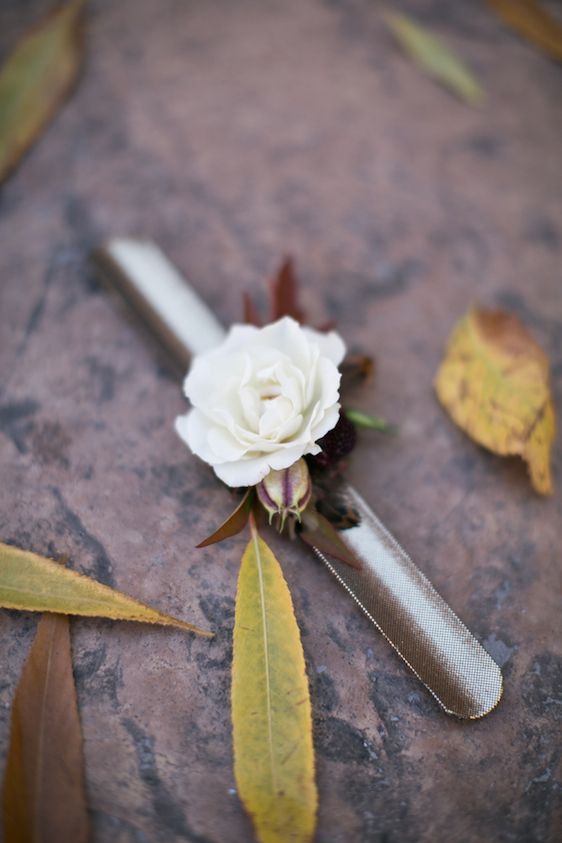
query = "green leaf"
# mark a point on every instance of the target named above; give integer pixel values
(35, 79)
(433, 57)
(271, 711)
(235, 522)
(364, 420)
(35, 584)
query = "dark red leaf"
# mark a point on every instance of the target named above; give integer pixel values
(326, 327)
(251, 315)
(284, 293)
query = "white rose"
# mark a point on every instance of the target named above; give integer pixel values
(262, 399)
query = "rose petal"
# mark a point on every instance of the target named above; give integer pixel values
(247, 472)
(193, 429)
(224, 446)
(328, 421)
(330, 344)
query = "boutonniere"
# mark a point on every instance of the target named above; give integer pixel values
(269, 417)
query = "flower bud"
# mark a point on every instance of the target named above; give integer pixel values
(286, 492)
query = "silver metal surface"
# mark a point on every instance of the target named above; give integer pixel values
(389, 588)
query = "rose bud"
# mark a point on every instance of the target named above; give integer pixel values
(285, 492)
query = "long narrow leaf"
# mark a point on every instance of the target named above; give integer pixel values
(36, 584)
(284, 293)
(251, 315)
(433, 57)
(271, 712)
(44, 796)
(531, 20)
(35, 79)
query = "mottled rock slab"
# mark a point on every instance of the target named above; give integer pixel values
(232, 133)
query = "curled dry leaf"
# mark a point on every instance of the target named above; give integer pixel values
(271, 711)
(235, 522)
(434, 58)
(44, 796)
(494, 383)
(35, 79)
(33, 583)
(531, 20)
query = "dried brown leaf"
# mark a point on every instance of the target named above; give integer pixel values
(235, 522)
(531, 20)
(44, 794)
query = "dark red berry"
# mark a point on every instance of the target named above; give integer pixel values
(337, 443)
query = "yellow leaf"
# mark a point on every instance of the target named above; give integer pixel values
(533, 22)
(271, 713)
(494, 382)
(433, 57)
(35, 79)
(35, 584)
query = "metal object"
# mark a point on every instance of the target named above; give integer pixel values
(389, 588)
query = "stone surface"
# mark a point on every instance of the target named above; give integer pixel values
(232, 133)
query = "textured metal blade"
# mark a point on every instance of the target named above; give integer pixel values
(389, 588)
(422, 628)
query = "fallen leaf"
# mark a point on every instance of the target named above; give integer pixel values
(284, 294)
(494, 383)
(271, 711)
(33, 583)
(235, 522)
(320, 533)
(44, 794)
(433, 57)
(35, 79)
(531, 20)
